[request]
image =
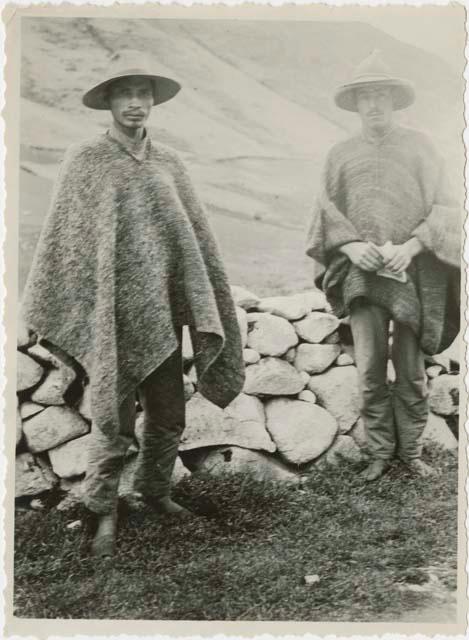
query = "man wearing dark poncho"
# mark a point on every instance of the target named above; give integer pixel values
(385, 233)
(126, 259)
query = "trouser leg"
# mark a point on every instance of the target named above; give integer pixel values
(410, 394)
(106, 460)
(162, 399)
(370, 331)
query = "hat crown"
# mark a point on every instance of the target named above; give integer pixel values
(371, 68)
(128, 61)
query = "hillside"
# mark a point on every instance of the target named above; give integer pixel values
(254, 119)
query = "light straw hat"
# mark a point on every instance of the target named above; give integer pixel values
(373, 71)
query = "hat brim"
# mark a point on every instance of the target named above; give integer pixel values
(163, 90)
(403, 93)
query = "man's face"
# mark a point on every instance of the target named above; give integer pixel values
(130, 101)
(375, 107)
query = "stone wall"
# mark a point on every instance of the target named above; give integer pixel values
(299, 408)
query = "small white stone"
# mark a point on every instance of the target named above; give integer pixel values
(344, 360)
(187, 349)
(243, 325)
(251, 356)
(189, 388)
(307, 396)
(244, 298)
(435, 370)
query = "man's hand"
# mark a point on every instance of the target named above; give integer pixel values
(399, 256)
(365, 255)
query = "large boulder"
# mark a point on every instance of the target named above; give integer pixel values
(28, 372)
(242, 423)
(227, 460)
(332, 338)
(270, 335)
(302, 431)
(70, 459)
(52, 427)
(314, 300)
(444, 395)
(84, 408)
(315, 358)
(24, 337)
(344, 448)
(288, 307)
(31, 477)
(337, 391)
(242, 317)
(51, 391)
(272, 377)
(244, 298)
(19, 426)
(29, 409)
(60, 376)
(436, 430)
(316, 326)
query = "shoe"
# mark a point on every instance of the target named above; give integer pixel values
(104, 541)
(420, 469)
(166, 506)
(375, 470)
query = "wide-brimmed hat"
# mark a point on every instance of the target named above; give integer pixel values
(373, 71)
(125, 64)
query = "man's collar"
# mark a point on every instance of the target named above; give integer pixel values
(135, 147)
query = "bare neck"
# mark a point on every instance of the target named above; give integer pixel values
(133, 134)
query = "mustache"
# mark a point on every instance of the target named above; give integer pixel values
(134, 113)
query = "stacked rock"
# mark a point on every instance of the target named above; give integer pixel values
(299, 407)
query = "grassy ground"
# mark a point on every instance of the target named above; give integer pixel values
(247, 558)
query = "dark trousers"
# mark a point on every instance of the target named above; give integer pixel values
(161, 395)
(394, 418)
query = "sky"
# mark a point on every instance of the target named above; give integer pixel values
(437, 29)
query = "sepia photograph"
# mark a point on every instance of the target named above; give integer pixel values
(238, 330)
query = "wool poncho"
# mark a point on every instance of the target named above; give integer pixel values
(126, 256)
(391, 190)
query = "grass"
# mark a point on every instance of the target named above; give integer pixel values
(247, 558)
